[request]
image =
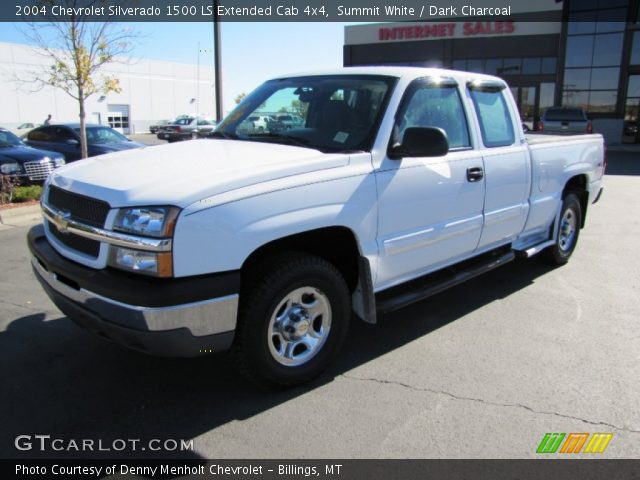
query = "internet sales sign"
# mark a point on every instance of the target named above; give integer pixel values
(440, 30)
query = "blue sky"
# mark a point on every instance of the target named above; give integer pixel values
(251, 52)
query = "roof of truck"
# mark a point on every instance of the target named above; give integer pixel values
(409, 72)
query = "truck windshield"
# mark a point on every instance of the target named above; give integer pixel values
(329, 113)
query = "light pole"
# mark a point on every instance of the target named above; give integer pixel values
(217, 60)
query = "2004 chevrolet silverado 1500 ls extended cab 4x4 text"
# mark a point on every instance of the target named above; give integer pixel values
(266, 242)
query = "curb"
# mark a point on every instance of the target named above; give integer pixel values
(21, 215)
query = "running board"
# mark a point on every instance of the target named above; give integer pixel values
(530, 252)
(424, 287)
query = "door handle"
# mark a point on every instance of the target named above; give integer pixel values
(474, 174)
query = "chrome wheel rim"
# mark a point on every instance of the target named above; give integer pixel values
(568, 226)
(299, 326)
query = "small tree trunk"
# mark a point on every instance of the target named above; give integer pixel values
(84, 150)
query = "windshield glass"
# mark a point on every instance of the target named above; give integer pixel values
(8, 139)
(329, 113)
(101, 135)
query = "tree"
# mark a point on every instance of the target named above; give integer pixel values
(239, 98)
(78, 50)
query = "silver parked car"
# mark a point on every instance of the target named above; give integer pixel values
(565, 121)
(185, 128)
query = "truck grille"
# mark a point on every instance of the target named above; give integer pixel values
(75, 242)
(83, 209)
(39, 170)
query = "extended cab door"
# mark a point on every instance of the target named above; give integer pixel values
(507, 166)
(430, 209)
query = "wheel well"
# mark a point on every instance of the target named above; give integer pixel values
(337, 245)
(578, 186)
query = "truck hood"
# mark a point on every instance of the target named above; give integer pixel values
(182, 173)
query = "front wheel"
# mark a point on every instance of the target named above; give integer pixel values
(568, 231)
(292, 321)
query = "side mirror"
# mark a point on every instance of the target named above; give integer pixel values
(421, 142)
(72, 141)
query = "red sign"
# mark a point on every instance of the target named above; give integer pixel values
(445, 30)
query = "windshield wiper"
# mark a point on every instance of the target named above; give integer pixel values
(290, 139)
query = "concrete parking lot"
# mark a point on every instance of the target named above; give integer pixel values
(482, 370)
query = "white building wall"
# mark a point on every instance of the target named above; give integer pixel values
(153, 90)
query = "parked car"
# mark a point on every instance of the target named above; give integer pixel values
(23, 163)
(285, 122)
(65, 139)
(24, 128)
(565, 121)
(260, 122)
(186, 128)
(156, 126)
(266, 243)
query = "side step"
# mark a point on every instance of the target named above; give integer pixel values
(424, 287)
(530, 252)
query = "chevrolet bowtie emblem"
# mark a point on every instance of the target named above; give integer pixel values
(61, 221)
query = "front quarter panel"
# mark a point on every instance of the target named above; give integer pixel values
(221, 237)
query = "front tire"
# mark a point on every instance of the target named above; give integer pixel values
(292, 321)
(568, 231)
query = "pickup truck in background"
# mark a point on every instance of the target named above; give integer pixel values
(565, 121)
(400, 182)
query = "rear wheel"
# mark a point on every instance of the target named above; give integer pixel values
(568, 231)
(292, 321)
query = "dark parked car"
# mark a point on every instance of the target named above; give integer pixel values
(185, 128)
(65, 139)
(25, 164)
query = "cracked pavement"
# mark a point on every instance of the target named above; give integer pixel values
(483, 370)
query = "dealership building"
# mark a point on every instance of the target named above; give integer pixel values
(583, 53)
(151, 90)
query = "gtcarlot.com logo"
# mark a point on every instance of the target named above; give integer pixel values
(46, 443)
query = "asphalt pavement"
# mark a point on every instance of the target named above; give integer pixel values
(483, 370)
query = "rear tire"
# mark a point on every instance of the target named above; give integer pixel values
(568, 231)
(292, 321)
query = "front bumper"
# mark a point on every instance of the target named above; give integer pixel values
(180, 317)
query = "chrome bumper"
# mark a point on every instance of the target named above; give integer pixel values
(208, 317)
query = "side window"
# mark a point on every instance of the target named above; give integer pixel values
(435, 106)
(493, 114)
(62, 134)
(41, 134)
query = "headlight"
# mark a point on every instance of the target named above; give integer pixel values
(58, 162)
(157, 222)
(147, 221)
(10, 168)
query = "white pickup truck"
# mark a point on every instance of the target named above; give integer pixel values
(265, 243)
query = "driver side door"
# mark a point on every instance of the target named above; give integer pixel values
(431, 208)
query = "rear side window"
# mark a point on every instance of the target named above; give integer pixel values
(45, 134)
(565, 114)
(493, 114)
(434, 105)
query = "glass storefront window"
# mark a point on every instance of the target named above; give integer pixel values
(575, 99)
(547, 97)
(549, 65)
(604, 78)
(474, 66)
(607, 50)
(611, 20)
(492, 65)
(531, 66)
(577, 5)
(633, 87)
(577, 78)
(635, 49)
(583, 22)
(579, 52)
(459, 64)
(603, 101)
